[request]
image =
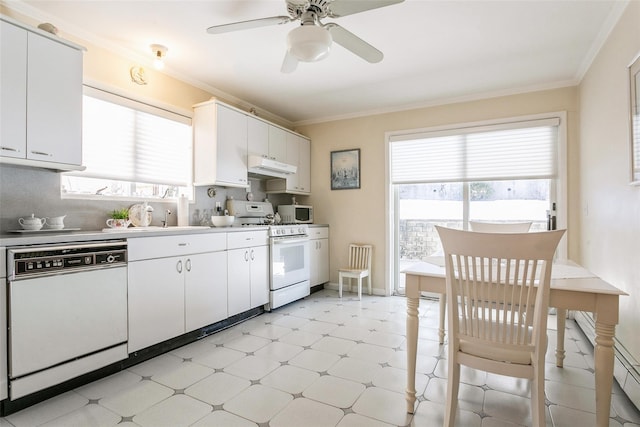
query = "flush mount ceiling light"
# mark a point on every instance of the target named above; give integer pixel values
(159, 52)
(309, 43)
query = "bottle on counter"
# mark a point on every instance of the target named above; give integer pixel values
(229, 206)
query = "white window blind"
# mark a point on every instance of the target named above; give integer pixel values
(519, 150)
(129, 141)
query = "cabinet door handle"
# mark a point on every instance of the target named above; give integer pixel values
(188, 264)
(183, 244)
(179, 266)
(15, 150)
(246, 255)
(252, 257)
(40, 153)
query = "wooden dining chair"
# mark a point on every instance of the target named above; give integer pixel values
(485, 227)
(359, 267)
(497, 288)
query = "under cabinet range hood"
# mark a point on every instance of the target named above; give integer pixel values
(259, 165)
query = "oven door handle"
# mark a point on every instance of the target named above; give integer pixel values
(288, 241)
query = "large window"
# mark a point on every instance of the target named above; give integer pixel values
(507, 171)
(131, 150)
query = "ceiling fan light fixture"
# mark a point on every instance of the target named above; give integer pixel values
(309, 43)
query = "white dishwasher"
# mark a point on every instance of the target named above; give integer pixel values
(67, 312)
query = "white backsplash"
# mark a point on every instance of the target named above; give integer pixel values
(25, 191)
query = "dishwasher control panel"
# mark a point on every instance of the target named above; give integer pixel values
(38, 260)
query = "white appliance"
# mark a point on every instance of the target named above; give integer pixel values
(250, 213)
(290, 270)
(67, 312)
(296, 214)
(289, 251)
(259, 165)
(3, 327)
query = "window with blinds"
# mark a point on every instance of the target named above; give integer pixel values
(131, 149)
(525, 150)
(496, 172)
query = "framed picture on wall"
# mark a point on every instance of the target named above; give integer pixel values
(345, 169)
(634, 119)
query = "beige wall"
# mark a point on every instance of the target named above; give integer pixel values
(360, 215)
(610, 211)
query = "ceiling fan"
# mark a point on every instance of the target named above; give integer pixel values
(312, 40)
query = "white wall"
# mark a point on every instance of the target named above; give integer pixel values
(610, 208)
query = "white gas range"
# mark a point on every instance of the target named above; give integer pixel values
(288, 248)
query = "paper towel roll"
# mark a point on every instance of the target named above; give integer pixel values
(183, 211)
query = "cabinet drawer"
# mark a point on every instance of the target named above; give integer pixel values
(245, 239)
(166, 246)
(318, 232)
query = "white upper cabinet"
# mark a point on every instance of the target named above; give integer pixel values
(54, 102)
(219, 145)
(13, 91)
(258, 137)
(225, 138)
(298, 153)
(304, 165)
(41, 110)
(266, 140)
(277, 144)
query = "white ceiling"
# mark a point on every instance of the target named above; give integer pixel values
(435, 51)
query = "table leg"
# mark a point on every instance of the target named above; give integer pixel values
(443, 311)
(561, 318)
(604, 371)
(412, 350)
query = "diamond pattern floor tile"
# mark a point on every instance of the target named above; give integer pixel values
(325, 361)
(217, 388)
(176, 411)
(300, 411)
(258, 403)
(334, 391)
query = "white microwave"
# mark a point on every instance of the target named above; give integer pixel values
(296, 214)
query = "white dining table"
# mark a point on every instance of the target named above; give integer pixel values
(572, 288)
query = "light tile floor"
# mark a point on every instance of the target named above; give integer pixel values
(324, 361)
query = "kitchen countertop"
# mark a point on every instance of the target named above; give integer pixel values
(53, 237)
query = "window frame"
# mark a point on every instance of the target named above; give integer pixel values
(149, 106)
(558, 193)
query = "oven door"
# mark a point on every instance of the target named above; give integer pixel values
(289, 261)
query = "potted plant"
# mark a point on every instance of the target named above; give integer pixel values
(119, 218)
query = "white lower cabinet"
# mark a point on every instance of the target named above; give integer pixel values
(205, 290)
(248, 270)
(171, 295)
(319, 255)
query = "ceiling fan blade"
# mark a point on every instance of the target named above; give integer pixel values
(355, 44)
(289, 64)
(348, 7)
(245, 25)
